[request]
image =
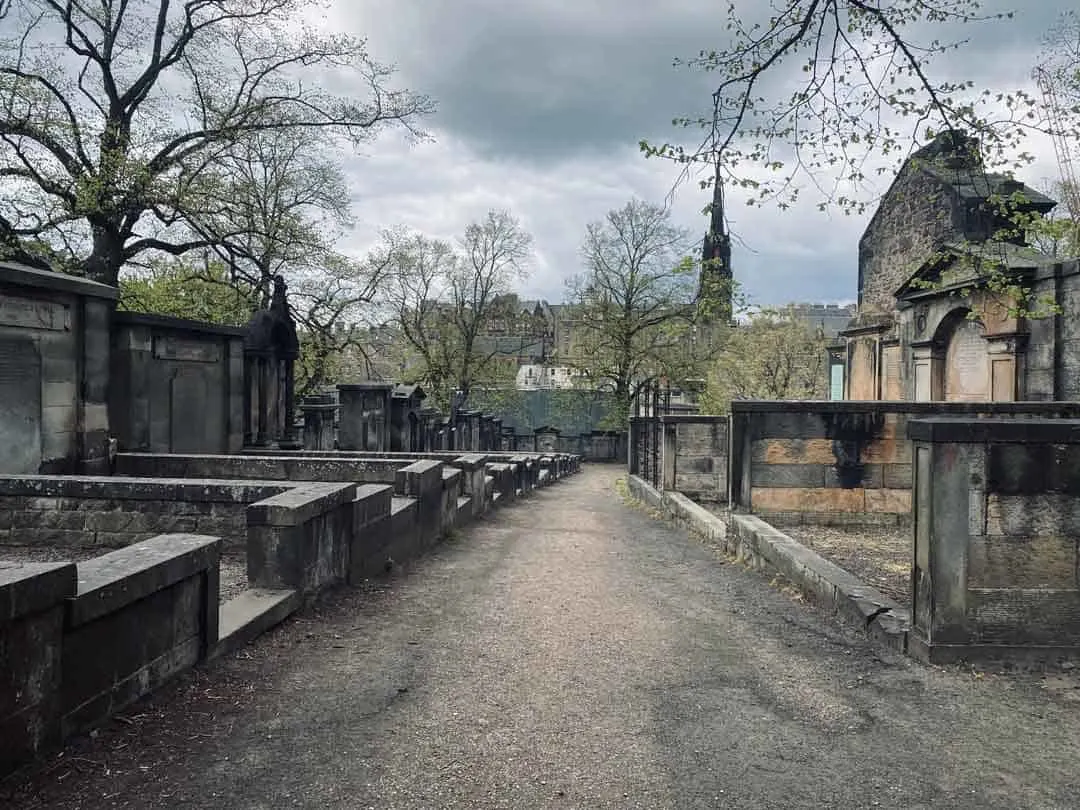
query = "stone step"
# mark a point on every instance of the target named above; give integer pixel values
(251, 613)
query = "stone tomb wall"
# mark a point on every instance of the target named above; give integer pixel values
(177, 386)
(82, 642)
(840, 462)
(695, 456)
(997, 522)
(54, 371)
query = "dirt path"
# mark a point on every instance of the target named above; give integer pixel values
(572, 652)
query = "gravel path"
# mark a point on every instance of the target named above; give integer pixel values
(571, 652)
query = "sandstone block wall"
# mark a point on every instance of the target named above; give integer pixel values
(840, 462)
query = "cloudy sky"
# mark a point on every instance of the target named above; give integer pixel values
(542, 104)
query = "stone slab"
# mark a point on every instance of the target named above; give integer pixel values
(28, 588)
(250, 614)
(299, 505)
(111, 581)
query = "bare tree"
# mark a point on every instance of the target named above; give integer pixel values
(443, 299)
(863, 91)
(115, 117)
(279, 204)
(330, 305)
(635, 301)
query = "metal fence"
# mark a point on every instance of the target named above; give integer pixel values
(646, 432)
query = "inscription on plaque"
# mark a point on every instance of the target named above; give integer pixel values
(189, 351)
(967, 365)
(893, 385)
(30, 313)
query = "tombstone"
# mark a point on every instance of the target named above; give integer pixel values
(405, 403)
(487, 423)
(429, 427)
(364, 420)
(270, 351)
(496, 433)
(462, 431)
(507, 440)
(967, 363)
(445, 434)
(318, 412)
(546, 439)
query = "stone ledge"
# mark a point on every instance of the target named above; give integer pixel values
(251, 613)
(139, 489)
(693, 419)
(419, 479)
(111, 581)
(748, 537)
(124, 318)
(471, 462)
(372, 502)
(28, 588)
(24, 276)
(998, 431)
(298, 505)
(751, 406)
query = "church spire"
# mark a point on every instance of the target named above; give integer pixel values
(715, 283)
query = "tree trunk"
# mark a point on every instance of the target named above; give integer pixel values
(107, 256)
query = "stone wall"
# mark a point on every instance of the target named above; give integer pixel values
(165, 371)
(695, 456)
(82, 642)
(54, 371)
(112, 512)
(997, 516)
(915, 216)
(839, 461)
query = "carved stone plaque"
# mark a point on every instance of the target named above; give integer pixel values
(190, 351)
(967, 364)
(31, 313)
(892, 383)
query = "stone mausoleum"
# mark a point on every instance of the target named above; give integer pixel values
(930, 326)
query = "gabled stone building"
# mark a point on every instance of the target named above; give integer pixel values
(929, 326)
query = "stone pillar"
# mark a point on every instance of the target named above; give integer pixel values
(1006, 366)
(318, 412)
(928, 377)
(994, 568)
(288, 427)
(671, 449)
(262, 407)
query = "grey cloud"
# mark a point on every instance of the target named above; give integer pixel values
(541, 105)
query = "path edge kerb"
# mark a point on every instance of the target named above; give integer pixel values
(750, 539)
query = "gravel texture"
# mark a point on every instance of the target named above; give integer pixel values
(880, 556)
(233, 566)
(570, 651)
